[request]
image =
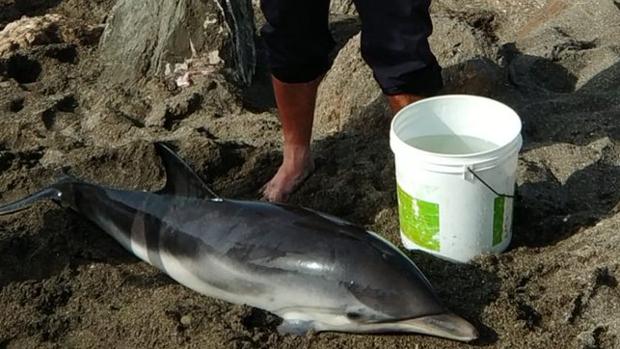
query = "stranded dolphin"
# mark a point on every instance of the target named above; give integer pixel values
(315, 271)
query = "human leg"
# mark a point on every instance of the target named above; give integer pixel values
(395, 45)
(298, 42)
(296, 110)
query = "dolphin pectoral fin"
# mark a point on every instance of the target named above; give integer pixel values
(181, 180)
(295, 327)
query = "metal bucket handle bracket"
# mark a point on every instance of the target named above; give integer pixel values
(470, 174)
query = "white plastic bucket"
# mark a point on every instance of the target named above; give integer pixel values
(447, 204)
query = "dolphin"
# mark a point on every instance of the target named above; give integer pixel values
(315, 271)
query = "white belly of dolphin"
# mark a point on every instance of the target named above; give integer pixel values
(291, 301)
(183, 273)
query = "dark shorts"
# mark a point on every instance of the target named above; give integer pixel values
(394, 42)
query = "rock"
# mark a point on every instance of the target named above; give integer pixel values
(29, 32)
(42, 30)
(186, 320)
(342, 7)
(149, 39)
(53, 159)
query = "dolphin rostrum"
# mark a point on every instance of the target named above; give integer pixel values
(316, 272)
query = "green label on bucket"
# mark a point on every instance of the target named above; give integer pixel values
(419, 220)
(498, 220)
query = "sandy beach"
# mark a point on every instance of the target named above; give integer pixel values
(63, 104)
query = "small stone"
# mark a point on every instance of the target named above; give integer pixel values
(157, 116)
(590, 339)
(186, 320)
(52, 158)
(342, 7)
(586, 340)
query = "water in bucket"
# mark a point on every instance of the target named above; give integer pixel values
(451, 144)
(456, 160)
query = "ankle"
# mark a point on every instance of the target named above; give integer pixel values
(296, 153)
(399, 101)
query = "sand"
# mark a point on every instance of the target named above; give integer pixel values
(64, 283)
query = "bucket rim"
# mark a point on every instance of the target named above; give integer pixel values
(438, 164)
(487, 154)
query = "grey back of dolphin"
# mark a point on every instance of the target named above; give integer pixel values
(315, 271)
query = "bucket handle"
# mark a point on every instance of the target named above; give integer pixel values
(487, 185)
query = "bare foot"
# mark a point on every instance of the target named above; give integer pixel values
(296, 167)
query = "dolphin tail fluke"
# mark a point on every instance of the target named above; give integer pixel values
(45, 194)
(54, 192)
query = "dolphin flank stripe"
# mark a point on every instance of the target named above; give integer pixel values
(317, 272)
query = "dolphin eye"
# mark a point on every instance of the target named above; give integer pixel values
(353, 315)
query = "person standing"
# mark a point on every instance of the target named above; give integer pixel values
(394, 44)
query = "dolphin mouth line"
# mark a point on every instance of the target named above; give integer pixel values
(388, 321)
(446, 325)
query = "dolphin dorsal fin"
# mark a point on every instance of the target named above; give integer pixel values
(181, 180)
